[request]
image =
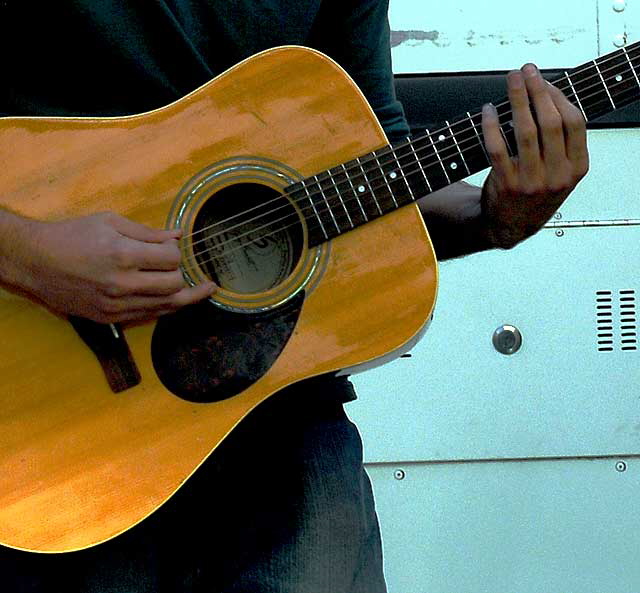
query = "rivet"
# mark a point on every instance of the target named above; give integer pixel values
(620, 40)
(619, 5)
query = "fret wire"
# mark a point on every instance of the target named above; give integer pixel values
(324, 197)
(373, 195)
(386, 181)
(458, 147)
(475, 129)
(568, 80)
(340, 198)
(355, 193)
(594, 100)
(413, 150)
(306, 189)
(473, 125)
(575, 94)
(444, 169)
(404, 177)
(571, 84)
(633, 69)
(396, 177)
(606, 88)
(620, 80)
(411, 174)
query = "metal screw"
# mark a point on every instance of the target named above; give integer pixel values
(621, 466)
(619, 5)
(620, 40)
(558, 215)
(559, 233)
(399, 474)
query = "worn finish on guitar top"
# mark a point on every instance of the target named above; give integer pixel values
(81, 464)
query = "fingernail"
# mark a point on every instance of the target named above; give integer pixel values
(489, 109)
(530, 70)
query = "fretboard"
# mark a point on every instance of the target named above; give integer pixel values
(353, 193)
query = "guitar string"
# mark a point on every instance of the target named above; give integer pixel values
(498, 106)
(404, 145)
(270, 223)
(294, 216)
(273, 230)
(364, 162)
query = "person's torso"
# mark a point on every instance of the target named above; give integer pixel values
(109, 57)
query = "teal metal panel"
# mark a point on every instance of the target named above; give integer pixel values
(470, 35)
(568, 526)
(618, 22)
(458, 398)
(610, 190)
(520, 473)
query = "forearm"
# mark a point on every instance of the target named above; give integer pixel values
(16, 235)
(453, 216)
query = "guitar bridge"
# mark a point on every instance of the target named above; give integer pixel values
(110, 347)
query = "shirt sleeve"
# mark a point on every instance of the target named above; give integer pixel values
(356, 34)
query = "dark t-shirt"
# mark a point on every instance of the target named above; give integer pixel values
(108, 57)
(114, 57)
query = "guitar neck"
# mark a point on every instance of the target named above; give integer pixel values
(359, 191)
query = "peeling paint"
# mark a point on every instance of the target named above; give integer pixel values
(471, 38)
(400, 37)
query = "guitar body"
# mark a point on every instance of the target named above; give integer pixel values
(80, 463)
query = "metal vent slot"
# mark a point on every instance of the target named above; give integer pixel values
(604, 314)
(628, 329)
(616, 320)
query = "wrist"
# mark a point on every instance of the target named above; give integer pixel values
(18, 241)
(496, 234)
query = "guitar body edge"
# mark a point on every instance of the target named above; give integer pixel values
(81, 464)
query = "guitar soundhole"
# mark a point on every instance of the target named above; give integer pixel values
(247, 238)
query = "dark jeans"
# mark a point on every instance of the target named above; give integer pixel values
(283, 506)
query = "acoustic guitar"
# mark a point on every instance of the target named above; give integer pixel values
(291, 199)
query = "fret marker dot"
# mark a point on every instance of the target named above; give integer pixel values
(361, 189)
(442, 137)
(393, 175)
(619, 78)
(454, 166)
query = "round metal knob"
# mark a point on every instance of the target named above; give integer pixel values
(507, 339)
